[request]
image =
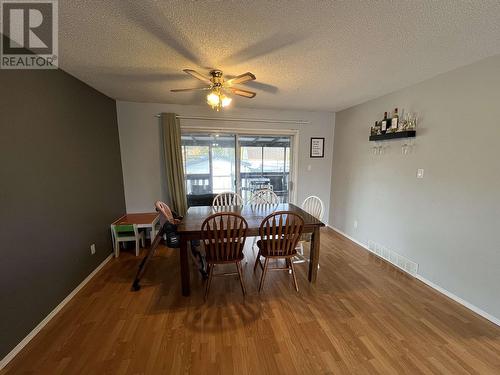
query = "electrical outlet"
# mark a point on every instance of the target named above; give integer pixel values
(92, 249)
(355, 224)
(420, 173)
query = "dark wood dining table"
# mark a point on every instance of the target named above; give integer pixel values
(190, 229)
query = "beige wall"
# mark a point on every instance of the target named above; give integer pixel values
(449, 221)
(140, 147)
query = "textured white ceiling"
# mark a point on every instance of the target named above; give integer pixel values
(314, 55)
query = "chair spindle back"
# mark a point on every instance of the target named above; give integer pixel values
(280, 232)
(264, 196)
(224, 235)
(227, 199)
(313, 206)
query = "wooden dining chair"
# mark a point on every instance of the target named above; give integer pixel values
(313, 205)
(279, 234)
(227, 199)
(223, 235)
(264, 196)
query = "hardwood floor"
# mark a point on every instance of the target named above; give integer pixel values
(363, 316)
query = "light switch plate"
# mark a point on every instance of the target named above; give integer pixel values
(420, 173)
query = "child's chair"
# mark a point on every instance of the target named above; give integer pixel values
(126, 233)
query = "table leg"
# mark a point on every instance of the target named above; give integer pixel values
(314, 256)
(112, 236)
(116, 244)
(153, 233)
(184, 266)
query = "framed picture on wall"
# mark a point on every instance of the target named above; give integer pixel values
(317, 148)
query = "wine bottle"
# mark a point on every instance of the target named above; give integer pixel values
(395, 119)
(384, 123)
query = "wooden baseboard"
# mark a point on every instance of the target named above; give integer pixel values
(10, 356)
(436, 287)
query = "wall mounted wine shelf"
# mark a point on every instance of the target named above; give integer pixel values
(403, 134)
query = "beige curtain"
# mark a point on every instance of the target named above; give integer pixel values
(171, 132)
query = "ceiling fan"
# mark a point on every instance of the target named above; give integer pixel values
(218, 87)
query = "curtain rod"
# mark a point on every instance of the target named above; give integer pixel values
(265, 120)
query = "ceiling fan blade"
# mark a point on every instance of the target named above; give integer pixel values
(193, 89)
(242, 78)
(197, 75)
(241, 92)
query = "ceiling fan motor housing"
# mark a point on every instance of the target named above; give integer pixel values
(217, 79)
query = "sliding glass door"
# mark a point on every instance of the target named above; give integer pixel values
(264, 164)
(242, 163)
(209, 163)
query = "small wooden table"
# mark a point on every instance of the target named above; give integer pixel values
(143, 220)
(190, 229)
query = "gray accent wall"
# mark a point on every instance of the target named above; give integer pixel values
(61, 186)
(449, 221)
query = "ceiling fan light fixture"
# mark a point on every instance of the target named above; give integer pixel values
(226, 100)
(218, 86)
(213, 99)
(217, 100)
